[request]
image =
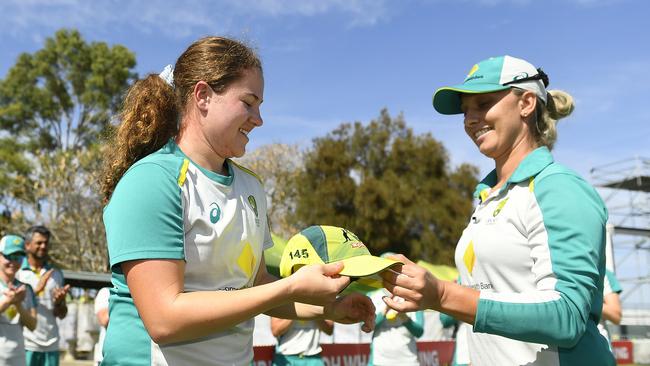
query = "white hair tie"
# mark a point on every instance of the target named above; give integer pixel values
(168, 75)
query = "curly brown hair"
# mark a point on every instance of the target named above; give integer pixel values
(152, 109)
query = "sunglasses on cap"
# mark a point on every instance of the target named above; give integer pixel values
(541, 75)
(15, 257)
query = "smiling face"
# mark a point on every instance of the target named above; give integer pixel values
(231, 115)
(494, 122)
(37, 247)
(9, 265)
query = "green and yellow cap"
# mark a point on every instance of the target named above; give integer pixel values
(492, 75)
(11, 244)
(327, 244)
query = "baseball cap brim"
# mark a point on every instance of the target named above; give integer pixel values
(366, 265)
(446, 100)
(10, 251)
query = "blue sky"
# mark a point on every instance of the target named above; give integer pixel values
(333, 61)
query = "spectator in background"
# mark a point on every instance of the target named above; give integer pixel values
(299, 341)
(17, 303)
(461, 353)
(611, 303)
(101, 312)
(42, 343)
(394, 339)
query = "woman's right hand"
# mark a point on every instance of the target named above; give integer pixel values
(317, 284)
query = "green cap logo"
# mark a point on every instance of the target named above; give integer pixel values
(215, 213)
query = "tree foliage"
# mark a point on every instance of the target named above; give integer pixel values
(55, 106)
(391, 187)
(63, 95)
(278, 166)
(65, 194)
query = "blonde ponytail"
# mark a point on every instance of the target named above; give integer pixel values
(559, 105)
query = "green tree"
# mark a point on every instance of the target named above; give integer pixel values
(55, 106)
(391, 187)
(63, 96)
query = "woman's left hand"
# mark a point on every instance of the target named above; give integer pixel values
(417, 286)
(352, 308)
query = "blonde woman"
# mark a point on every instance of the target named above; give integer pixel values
(531, 260)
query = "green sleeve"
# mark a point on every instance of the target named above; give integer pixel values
(416, 327)
(144, 218)
(379, 319)
(447, 320)
(612, 281)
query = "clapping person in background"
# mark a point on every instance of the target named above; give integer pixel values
(101, 313)
(42, 343)
(611, 303)
(17, 303)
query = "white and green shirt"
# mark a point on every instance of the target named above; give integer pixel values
(167, 207)
(12, 344)
(301, 339)
(611, 286)
(45, 338)
(394, 339)
(535, 251)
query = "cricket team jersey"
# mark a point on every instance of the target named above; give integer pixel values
(394, 338)
(535, 250)
(12, 344)
(45, 338)
(167, 207)
(302, 338)
(611, 284)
